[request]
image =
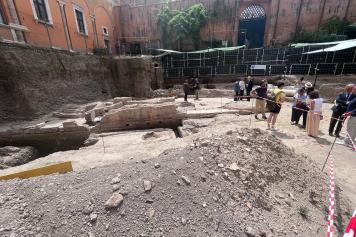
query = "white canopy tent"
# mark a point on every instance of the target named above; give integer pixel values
(341, 45)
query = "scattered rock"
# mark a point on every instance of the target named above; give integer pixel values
(147, 185)
(186, 180)
(116, 187)
(150, 135)
(93, 217)
(250, 232)
(157, 165)
(234, 167)
(92, 140)
(114, 201)
(88, 209)
(151, 213)
(149, 201)
(115, 180)
(14, 156)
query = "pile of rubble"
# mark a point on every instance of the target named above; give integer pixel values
(245, 183)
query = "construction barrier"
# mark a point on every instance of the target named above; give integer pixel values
(351, 227)
(56, 168)
(331, 211)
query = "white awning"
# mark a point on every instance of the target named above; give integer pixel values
(347, 44)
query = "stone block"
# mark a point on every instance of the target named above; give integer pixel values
(123, 100)
(70, 124)
(140, 117)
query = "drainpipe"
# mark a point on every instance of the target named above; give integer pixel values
(93, 21)
(276, 23)
(49, 35)
(65, 25)
(298, 18)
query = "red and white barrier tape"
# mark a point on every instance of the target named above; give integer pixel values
(331, 199)
(351, 227)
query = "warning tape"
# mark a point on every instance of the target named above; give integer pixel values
(331, 199)
(351, 227)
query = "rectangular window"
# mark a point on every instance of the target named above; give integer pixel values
(80, 21)
(41, 10)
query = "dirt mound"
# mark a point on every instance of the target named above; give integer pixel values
(245, 183)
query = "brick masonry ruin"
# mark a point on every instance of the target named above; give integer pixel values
(138, 19)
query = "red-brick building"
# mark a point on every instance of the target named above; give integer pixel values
(76, 25)
(276, 20)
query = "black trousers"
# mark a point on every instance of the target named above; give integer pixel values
(297, 113)
(241, 94)
(248, 92)
(185, 96)
(338, 123)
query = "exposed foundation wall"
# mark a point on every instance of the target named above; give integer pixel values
(283, 17)
(36, 81)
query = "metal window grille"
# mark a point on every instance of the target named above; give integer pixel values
(253, 12)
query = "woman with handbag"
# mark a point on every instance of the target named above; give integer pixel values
(300, 107)
(314, 114)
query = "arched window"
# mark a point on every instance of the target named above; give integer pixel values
(253, 12)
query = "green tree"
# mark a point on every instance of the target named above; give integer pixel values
(179, 26)
(164, 16)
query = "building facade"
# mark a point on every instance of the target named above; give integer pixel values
(75, 25)
(266, 21)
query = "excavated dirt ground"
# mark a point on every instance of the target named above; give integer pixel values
(194, 191)
(225, 204)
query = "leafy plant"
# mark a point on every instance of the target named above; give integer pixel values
(350, 31)
(183, 25)
(333, 26)
(164, 16)
(332, 30)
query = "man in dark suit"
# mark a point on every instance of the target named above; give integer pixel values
(340, 107)
(249, 87)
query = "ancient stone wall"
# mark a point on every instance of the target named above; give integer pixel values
(35, 81)
(138, 20)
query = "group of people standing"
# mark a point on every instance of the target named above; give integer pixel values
(192, 86)
(307, 104)
(344, 106)
(241, 86)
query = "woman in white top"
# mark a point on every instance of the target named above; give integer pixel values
(242, 88)
(314, 114)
